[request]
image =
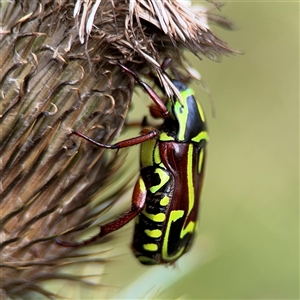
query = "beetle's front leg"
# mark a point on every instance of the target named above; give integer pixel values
(161, 107)
(138, 202)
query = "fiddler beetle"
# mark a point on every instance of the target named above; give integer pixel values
(166, 196)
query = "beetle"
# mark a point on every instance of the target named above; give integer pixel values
(166, 196)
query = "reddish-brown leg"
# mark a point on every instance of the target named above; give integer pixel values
(126, 143)
(137, 204)
(160, 104)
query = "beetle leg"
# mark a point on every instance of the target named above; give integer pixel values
(160, 104)
(137, 204)
(150, 134)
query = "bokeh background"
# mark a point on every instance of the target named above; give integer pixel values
(248, 238)
(251, 202)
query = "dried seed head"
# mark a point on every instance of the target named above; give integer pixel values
(59, 73)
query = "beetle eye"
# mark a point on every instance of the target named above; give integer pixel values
(155, 112)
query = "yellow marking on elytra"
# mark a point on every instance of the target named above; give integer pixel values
(164, 178)
(177, 214)
(164, 201)
(200, 160)
(191, 190)
(174, 216)
(150, 247)
(160, 217)
(162, 165)
(155, 233)
(164, 137)
(188, 229)
(203, 135)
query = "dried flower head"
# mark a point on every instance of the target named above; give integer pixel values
(59, 72)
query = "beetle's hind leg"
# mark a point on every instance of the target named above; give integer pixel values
(137, 204)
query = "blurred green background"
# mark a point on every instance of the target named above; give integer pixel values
(248, 239)
(250, 205)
